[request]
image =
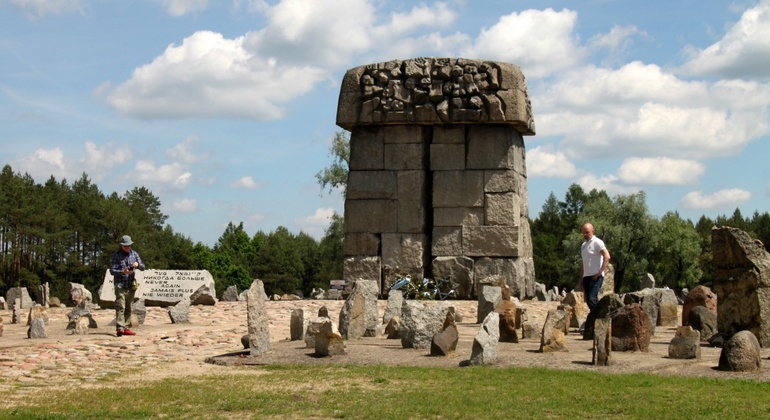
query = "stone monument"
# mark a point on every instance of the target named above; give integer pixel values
(437, 183)
(741, 283)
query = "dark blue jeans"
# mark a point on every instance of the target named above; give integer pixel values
(591, 288)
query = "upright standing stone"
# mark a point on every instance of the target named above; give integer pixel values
(489, 298)
(437, 157)
(555, 329)
(742, 283)
(297, 324)
(353, 315)
(256, 313)
(602, 351)
(43, 295)
(36, 320)
(486, 347)
(393, 308)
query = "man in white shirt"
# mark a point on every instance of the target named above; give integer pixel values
(595, 259)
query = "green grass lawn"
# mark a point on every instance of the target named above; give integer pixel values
(383, 392)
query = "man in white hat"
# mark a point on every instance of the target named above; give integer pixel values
(124, 261)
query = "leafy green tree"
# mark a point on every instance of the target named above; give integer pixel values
(705, 259)
(547, 235)
(336, 175)
(676, 251)
(331, 252)
(761, 225)
(625, 226)
(279, 264)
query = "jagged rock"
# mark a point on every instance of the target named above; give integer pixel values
(37, 311)
(419, 323)
(485, 350)
(21, 293)
(230, 294)
(489, 298)
(445, 341)
(393, 329)
(393, 308)
(507, 323)
(704, 321)
(742, 282)
(579, 308)
(670, 318)
(297, 325)
(648, 281)
(82, 310)
(37, 329)
(602, 351)
(323, 311)
(203, 296)
(180, 313)
(328, 342)
(78, 292)
(359, 316)
(606, 307)
(554, 333)
(631, 329)
(257, 319)
(740, 353)
(699, 296)
(313, 327)
(685, 344)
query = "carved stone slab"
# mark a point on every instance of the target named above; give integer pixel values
(159, 287)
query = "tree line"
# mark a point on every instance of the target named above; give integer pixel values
(676, 251)
(59, 232)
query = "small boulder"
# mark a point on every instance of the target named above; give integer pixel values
(740, 353)
(685, 344)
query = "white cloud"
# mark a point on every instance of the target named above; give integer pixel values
(726, 198)
(171, 174)
(209, 76)
(186, 205)
(96, 162)
(34, 9)
(183, 153)
(436, 15)
(246, 182)
(313, 31)
(744, 51)
(650, 113)
(608, 183)
(316, 224)
(183, 7)
(542, 42)
(542, 162)
(660, 171)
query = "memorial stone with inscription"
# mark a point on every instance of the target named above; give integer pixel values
(160, 287)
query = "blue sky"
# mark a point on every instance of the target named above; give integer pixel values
(226, 109)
